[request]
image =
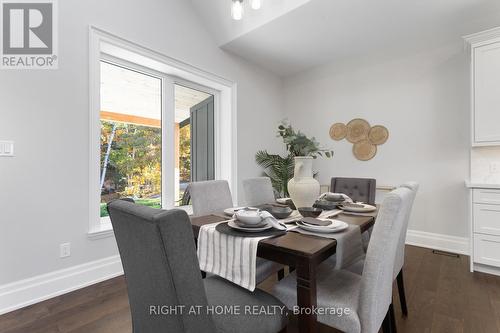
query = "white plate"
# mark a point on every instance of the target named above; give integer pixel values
(235, 226)
(336, 226)
(231, 211)
(253, 226)
(365, 209)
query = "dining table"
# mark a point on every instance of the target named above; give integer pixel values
(301, 251)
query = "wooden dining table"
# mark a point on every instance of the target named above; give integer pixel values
(304, 252)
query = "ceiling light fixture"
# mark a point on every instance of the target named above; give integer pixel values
(255, 4)
(237, 10)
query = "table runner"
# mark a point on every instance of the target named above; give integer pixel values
(233, 258)
(349, 244)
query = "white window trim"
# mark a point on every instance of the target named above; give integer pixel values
(224, 91)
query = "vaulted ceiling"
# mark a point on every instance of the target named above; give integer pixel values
(290, 36)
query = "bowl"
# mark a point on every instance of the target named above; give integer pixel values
(309, 211)
(279, 212)
(333, 197)
(250, 217)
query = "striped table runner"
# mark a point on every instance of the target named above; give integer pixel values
(233, 258)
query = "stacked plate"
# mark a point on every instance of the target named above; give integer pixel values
(238, 225)
(357, 207)
(329, 227)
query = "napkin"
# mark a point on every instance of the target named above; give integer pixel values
(267, 217)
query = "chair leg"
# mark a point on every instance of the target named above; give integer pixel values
(402, 296)
(281, 274)
(393, 319)
(203, 274)
(386, 324)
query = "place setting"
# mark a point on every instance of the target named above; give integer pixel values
(255, 222)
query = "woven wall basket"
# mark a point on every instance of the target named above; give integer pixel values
(357, 130)
(378, 135)
(338, 131)
(364, 150)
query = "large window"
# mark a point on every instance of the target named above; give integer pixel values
(131, 137)
(156, 124)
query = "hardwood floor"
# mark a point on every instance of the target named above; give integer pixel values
(442, 297)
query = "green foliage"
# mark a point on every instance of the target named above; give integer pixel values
(278, 169)
(134, 166)
(298, 144)
(154, 203)
(185, 153)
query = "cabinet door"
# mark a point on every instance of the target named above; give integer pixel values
(487, 219)
(487, 250)
(487, 94)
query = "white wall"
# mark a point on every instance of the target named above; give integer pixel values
(43, 190)
(423, 100)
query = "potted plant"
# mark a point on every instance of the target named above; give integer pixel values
(303, 188)
(301, 151)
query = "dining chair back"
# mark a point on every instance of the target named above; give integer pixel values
(161, 267)
(210, 196)
(400, 253)
(376, 281)
(358, 189)
(258, 191)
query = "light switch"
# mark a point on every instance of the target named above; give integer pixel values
(6, 148)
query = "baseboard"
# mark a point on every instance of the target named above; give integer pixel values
(22, 293)
(440, 242)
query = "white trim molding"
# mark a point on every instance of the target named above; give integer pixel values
(483, 36)
(22, 293)
(440, 242)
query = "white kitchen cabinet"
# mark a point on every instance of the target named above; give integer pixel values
(485, 87)
(485, 228)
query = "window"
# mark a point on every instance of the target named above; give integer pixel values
(155, 125)
(194, 139)
(131, 136)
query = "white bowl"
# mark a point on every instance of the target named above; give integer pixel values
(250, 217)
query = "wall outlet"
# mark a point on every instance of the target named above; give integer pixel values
(495, 167)
(6, 148)
(64, 250)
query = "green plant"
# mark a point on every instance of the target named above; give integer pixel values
(278, 169)
(298, 144)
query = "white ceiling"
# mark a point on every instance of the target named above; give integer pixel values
(322, 31)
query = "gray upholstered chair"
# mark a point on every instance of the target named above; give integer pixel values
(161, 269)
(369, 296)
(358, 189)
(214, 196)
(258, 191)
(400, 254)
(210, 196)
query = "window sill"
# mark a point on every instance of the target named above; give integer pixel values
(104, 230)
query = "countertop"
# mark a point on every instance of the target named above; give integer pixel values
(470, 184)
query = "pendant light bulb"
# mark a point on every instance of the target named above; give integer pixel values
(237, 10)
(255, 4)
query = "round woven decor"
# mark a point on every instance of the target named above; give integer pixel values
(338, 131)
(378, 135)
(357, 130)
(364, 150)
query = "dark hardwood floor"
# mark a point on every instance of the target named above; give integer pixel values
(442, 297)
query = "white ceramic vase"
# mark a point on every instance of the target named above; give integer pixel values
(303, 188)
